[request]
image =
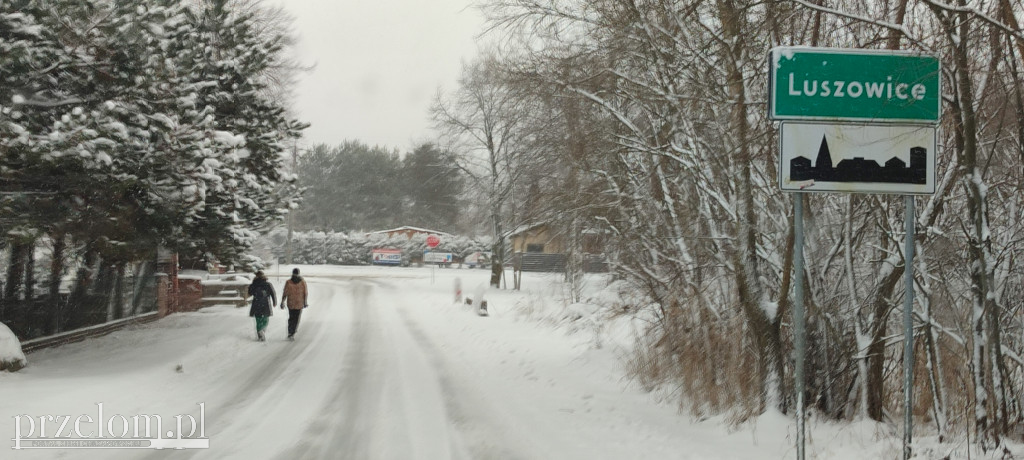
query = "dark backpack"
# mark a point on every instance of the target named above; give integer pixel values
(261, 294)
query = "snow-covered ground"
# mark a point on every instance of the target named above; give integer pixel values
(388, 366)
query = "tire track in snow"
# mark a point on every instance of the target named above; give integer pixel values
(348, 400)
(387, 403)
(484, 436)
(244, 388)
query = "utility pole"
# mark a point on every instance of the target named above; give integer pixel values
(291, 212)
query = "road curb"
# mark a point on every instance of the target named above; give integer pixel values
(78, 335)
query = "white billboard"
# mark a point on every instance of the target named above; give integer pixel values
(437, 257)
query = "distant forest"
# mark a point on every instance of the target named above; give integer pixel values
(356, 187)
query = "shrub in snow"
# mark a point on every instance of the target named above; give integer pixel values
(250, 263)
(353, 248)
(11, 357)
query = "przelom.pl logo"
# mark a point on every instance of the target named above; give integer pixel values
(115, 432)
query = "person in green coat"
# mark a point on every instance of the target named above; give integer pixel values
(264, 299)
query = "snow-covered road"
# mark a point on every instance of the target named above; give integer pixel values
(385, 366)
(354, 385)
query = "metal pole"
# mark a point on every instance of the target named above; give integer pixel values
(291, 212)
(908, 328)
(799, 322)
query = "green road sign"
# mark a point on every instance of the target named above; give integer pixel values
(832, 84)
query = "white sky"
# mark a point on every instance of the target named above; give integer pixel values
(378, 65)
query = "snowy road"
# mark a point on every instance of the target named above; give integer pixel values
(360, 382)
(355, 385)
(385, 366)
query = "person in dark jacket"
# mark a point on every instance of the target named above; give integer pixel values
(263, 300)
(295, 296)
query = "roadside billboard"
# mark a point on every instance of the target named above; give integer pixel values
(386, 256)
(437, 257)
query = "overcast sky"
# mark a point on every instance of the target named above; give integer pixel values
(378, 65)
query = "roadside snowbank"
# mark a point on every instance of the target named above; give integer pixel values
(11, 357)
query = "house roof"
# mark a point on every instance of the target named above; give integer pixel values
(535, 225)
(525, 228)
(411, 229)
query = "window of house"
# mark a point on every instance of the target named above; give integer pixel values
(534, 248)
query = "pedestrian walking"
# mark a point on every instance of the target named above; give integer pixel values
(263, 300)
(295, 297)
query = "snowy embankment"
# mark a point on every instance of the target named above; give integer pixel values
(559, 366)
(11, 356)
(554, 370)
(388, 365)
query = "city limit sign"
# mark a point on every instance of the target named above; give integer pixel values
(832, 84)
(898, 159)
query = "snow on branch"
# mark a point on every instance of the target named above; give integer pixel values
(984, 17)
(49, 103)
(888, 25)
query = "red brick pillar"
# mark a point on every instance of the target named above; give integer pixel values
(163, 294)
(167, 269)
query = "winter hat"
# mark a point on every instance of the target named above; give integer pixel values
(295, 271)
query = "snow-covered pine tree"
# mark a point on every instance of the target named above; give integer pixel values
(117, 113)
(23, 47)
(128, 140)
(252, 131)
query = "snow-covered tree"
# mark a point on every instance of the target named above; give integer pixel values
(351, 186)
(484, 119)
(127, 125)
(688, 182)
(431, 184)
(251, 129)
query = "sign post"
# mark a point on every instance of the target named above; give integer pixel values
(799, 322)
(432, 242)
(855, 121)
(908, 326)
